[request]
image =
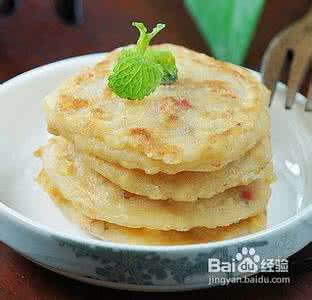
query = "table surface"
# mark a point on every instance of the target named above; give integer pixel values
(35, 36)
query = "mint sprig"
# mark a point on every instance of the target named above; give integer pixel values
(139, 70)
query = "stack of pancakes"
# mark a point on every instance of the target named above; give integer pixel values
(190, 163)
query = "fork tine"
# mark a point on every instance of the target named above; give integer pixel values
(298, 69)
(272, 64)
(308, 106)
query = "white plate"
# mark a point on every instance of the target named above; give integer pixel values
(32, 225)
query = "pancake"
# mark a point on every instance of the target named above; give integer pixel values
(213, 114)
(187, 186)
(100, 199)
(143, 236)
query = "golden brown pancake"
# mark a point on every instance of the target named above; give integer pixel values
(100, 199)
(187, 186)
(212, 115)
(143, 236)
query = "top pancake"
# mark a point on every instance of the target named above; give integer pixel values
(210, 116)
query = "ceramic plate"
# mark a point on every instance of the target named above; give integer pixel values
(33, 226)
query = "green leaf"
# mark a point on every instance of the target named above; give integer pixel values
(135, 77)
(167, 62)
(138, 71)
(226, 25)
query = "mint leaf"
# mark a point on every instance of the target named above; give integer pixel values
(139, 71)
(167, 62)
(135, 77)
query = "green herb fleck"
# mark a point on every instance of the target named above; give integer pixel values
(139, 70)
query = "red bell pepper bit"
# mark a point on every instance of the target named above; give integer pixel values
(247, 195)
(184, 104)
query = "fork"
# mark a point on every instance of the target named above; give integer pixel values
(297, 38)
